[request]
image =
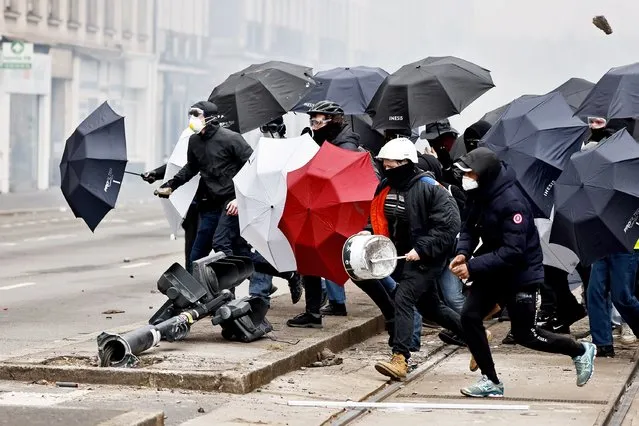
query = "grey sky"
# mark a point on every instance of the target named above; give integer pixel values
(530, 47)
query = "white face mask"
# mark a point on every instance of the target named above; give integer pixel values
(469, 184)
(196, 124)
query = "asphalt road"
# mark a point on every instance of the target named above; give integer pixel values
(57, 277)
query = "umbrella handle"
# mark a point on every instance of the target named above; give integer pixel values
(388, 258)
(131, 173)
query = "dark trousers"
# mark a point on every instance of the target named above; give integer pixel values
(521, 304)
(417, 287)
(190, 226)
(312, 293)
(556, 297)
(220, 232)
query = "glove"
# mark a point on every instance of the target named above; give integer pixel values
(602, 23)
(163, 192)
(149, 177)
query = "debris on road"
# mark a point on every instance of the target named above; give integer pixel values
(113, 311)
(200, 410)
(126, 260)
(40, 382)
(327, 358)
(66, 384)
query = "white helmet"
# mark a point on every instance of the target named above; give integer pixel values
(398, 149)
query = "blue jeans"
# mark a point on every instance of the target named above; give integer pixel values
(216, 231)
(260, 284)
(390, 284)
(335, 292)
(451, 288)
(614, 277)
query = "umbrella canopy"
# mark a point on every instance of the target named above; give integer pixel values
(574, 91)
(371, 139)
(426, 91)
(536, 136)
(597, 200)
(555, 255)
(352, 88)
(328, 200)
(92, 165)
(260, 93)
(177, 205)
(260, 187)
(614, 95)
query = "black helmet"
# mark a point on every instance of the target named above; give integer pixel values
(326, 108)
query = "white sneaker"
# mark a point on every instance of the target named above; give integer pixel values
(627, 337)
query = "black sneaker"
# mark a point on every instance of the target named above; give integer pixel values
(451, 338)
(296, 287)
(306, 320)
(607, 351)
(509, 339)
(334, 309)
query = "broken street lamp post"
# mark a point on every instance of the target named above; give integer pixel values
(192, 297)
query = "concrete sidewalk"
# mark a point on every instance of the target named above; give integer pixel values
(133, 190)
(205, 361)
(59, 416)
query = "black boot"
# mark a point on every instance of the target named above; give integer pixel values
(334, 309)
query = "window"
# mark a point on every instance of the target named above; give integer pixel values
(254, 36)
(109, 17)
(127, 20)
(53, 12)
(73, 20)
(92, 15)
(143, 19)
(11, 9)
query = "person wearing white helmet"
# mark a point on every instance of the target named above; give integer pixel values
(422, 220)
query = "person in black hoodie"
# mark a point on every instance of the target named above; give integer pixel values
(506, 269)
(217, 154)
(191, 220)
(327, 125)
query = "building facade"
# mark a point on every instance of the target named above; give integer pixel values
(85, 52)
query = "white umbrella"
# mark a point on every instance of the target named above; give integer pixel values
(260, 188)
(176, 206)
(555, 255)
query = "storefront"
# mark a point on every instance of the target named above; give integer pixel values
(25, 130)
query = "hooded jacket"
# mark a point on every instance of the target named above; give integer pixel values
(500, 215)
(217, 154)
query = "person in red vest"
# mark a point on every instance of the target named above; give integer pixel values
(422, 219)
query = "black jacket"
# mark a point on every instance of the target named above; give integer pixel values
(500, 215)
(342, 136)
(217, 154)
(433, 219)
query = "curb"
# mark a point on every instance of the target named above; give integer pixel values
(235, 383)
(607, 413)
(136, 418)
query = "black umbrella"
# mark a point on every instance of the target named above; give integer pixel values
(92, 165)
(260, 93)
(597, 200)
(536, 136)
(352, 88)
(371, 139)
(426, 91)
(494, 115)
(616, 95)
(574, 90)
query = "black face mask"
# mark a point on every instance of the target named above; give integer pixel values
(399, 177)
(326, 133)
